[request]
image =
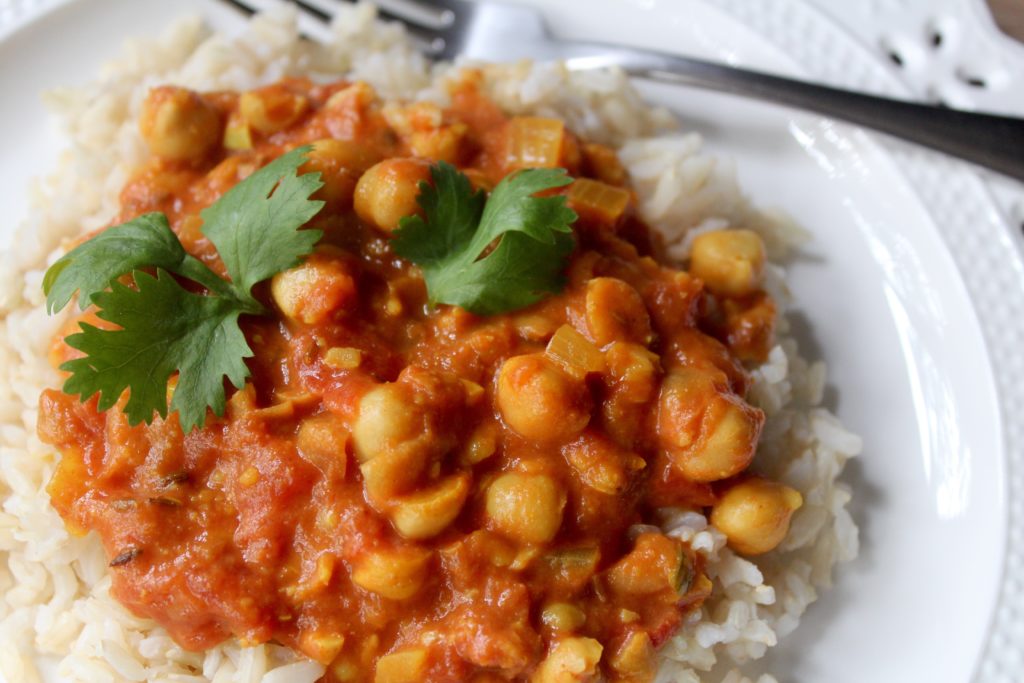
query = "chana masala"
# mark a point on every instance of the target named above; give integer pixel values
(408, 492)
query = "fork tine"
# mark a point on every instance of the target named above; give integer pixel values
(241, 7)
(426, 38)
(311, 9)
(311, 27)
(413, 16)
(434, 15)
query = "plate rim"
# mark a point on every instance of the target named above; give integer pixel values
(1004, 642)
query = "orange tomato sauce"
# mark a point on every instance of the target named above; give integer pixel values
(408, 493)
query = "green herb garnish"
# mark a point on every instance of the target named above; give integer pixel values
(165, 328)
(529, 239)
(487, 255)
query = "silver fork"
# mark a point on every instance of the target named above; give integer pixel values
(495, 31)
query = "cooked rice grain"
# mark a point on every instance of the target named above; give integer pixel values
(56, 601)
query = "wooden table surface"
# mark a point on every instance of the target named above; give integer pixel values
(1009, 14)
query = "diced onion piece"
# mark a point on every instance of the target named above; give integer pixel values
(237, 135)
(569, 569)
(407, 666)
(600, 201)
(172, 385)
(603, 163)
(249, 477)
(481, 445)
(656, 563)
(322, 440)
(279, 411)
(474, 392)
(343, 357)
(635, 657)
(535, 142)
(574, 352)
(562, 617)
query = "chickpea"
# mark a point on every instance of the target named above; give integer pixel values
(754, 514)
(427, 513)
(600, 463)
(691, 348)
(729, 440)
(750, 326)
(615, 312)
(339, 163)
(401, 428)
(540, 401)
(355, 97)
(396, 573)
(525, 507)
(387, 192)
(393, 441)
(272, 109)
(178, 124)
(730, 262)
(709, 432)
(311, 292)
(386, 418)
(441, 144)
(394, 473)
(634, 370)
(685, 392)
(571, 660)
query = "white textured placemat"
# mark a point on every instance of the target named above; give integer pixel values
(949, 51)
(817, 33)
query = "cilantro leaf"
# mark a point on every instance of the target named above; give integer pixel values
(515, 275)
(91, 266)
(531, 239)
(450, 204)
(161, 327)
(164, 329)
(255, 225)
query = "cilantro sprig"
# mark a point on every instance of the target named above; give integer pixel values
(162, 327)
(485, 254)
(489, 254)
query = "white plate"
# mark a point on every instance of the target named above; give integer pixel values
(879, 298)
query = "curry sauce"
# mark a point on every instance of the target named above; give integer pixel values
(405, 492)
